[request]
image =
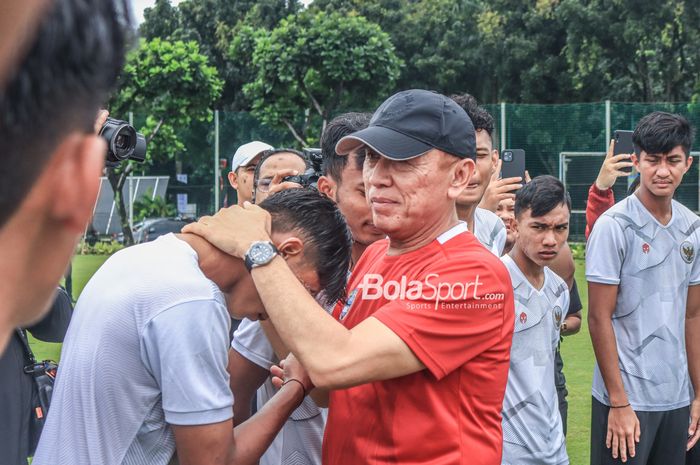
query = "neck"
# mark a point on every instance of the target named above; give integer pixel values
(223, 269)
(533, 272)
(660, 207)
(427, 234)
(466, 212)
(357, 251)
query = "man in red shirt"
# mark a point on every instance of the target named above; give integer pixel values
(418, 364)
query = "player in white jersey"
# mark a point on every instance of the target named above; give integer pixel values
(644, 308)
(484, 224)
(532, 427)
(252, 354)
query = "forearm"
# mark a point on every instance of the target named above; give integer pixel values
(605, 348)
(573, 325)
(253, 437)
(304, 327)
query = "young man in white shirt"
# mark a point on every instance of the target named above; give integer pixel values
(644, 308)
(532, 427)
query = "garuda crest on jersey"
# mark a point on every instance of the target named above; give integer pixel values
(687, 252)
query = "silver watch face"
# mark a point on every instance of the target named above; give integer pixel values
(261, 253)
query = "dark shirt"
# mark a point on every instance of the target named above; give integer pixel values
(16, 387)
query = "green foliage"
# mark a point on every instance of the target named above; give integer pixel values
(100, 248)
(578, 250)
(173, 83)
(148, 206)
(314, 63)
(213, 24)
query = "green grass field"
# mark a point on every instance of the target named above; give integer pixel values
(576, 351)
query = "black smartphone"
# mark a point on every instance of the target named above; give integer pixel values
(623, 144)
(513, 163)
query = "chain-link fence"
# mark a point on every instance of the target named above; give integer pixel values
(545, 132)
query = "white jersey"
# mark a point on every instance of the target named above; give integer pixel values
(653, 265)
(490, 230)
(532, 428)
(299, 440)
(147, 348)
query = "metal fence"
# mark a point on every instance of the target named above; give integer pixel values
(543, 131)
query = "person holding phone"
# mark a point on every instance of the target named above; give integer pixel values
(483, 223)
(644, 309)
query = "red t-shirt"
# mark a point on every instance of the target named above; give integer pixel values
(598, 203)
(451, 412)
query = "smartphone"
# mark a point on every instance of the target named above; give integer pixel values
(513, 163)
(623, 144)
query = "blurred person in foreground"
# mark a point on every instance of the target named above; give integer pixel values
(20, 408)
(400, 363)
(532, 428)
(52, 159)
(644, 308)
(144, 364)
(252, 353)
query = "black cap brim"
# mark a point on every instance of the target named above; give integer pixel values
(387, 142)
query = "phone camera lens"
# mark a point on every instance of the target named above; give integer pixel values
(507, 156)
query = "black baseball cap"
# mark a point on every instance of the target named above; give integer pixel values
(413, 122)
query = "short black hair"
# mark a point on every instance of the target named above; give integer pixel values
(339, 127)
(541, 195)
(267, 154)
(659, 132)
(71, 66)
(481, 118)
(327, 239)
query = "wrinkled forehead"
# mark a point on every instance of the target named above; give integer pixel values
(282, 161)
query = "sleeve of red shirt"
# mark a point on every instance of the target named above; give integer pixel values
(445, 338)
(598, 202)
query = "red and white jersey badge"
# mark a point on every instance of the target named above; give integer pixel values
(523, 317)
(645, 248)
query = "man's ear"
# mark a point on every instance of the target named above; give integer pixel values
(494, 160)
(462, 172)
(688, 163)
(290, 247)
(327, 187)
(635, 160)
(233, 179)
(73, 179)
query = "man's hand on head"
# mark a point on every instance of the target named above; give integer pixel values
(232, 230)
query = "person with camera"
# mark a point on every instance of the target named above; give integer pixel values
(280, 169)
(252, 353)
(20, 409)
(396, 366)
(484, 224)
(52, 161)
(144, 364)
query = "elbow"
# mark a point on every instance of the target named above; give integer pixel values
(325, 377)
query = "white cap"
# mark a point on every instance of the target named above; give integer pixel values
(247, 152)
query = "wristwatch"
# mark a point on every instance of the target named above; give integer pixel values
(260, 253)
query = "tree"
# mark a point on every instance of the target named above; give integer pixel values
(314, 63)
(148, 206)
(633, 50)
(174, 85)
(214, 24)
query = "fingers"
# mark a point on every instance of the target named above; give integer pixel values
(693, 432)
(277, 371)
(615, 446)
(608, 438)
(618, 158)
(100, 120)
(623, 448)
(277, 382)
(527, 177)
(497, 172)
(283, 186)
(630, 445)
(611, 149)
(281, 174)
